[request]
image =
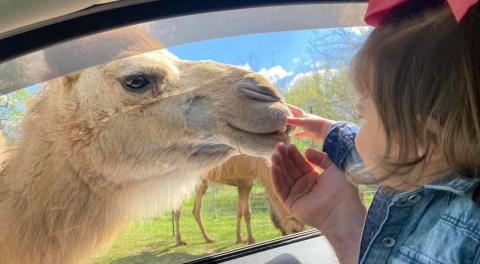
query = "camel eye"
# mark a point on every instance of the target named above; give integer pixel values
(136, 83)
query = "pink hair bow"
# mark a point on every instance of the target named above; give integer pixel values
(378, 9)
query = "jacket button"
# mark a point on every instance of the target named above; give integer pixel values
(414, 198)
(388, 242)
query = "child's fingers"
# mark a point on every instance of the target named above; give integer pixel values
(302, 134)
(301, 189)
(318, 158)
(279, 160)
(297, 121)
(289, 168)
(299, 161)
(309, 127)
(296, 111)
(279, 186)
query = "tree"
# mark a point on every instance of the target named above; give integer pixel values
(338, 45)
(12, 105)
(325, 89)
(327, 93)
(12, 111)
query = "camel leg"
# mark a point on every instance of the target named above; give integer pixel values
(239, 217)
(244, 196)
(178, 235)
(197, 210)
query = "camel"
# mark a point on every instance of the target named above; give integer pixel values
(241, 172)
(122, 140)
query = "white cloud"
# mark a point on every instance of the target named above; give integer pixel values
(359, 30)
(303, 75)
(319, 64)
(275, 74)
(299, 77)
(245, 66)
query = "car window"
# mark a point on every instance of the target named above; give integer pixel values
(302, 50)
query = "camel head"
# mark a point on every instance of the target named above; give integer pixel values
(150, 114)
(282, 220)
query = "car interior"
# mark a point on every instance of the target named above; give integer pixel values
(30, 28)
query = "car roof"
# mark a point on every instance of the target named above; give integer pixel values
(27, 25)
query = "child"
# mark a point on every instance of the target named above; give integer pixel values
(418, 80)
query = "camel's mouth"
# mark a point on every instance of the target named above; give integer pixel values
(285, 131)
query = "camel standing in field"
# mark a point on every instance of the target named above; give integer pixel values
(241, 172)
(121, 140)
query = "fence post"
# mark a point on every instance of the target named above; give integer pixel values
(173, 223)
(214, 205)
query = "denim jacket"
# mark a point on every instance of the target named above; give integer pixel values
(437, 223)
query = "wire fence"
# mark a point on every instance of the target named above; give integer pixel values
(220, 202)
(153, 241)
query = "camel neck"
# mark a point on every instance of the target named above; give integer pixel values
(55, 211)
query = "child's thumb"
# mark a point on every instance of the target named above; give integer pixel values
(318, 158)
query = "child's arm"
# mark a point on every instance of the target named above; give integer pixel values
(326, 200)
(339, 144)
(338, 137)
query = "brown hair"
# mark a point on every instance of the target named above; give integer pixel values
(422, 71)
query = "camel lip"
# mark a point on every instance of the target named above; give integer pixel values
(285, 131)
(211, 149)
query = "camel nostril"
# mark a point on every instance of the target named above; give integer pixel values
(259, 93)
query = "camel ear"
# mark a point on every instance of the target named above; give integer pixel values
(67, 81)
(72, 78)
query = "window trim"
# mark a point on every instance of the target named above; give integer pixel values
(119, 14)
(258, 247)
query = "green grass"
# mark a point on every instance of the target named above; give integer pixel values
(152, 241)
(366, 193)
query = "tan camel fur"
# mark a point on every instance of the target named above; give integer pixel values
(121, 140)
(241, 172)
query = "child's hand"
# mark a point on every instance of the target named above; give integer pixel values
(313, 126)
(327, 200)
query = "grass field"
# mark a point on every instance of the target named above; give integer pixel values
(152, 241)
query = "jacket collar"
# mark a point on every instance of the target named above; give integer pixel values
(454, 182)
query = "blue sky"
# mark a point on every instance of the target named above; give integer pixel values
(268, 49)
(282, 57)
(274, 55)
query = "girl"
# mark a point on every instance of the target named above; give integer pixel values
(418, 80)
